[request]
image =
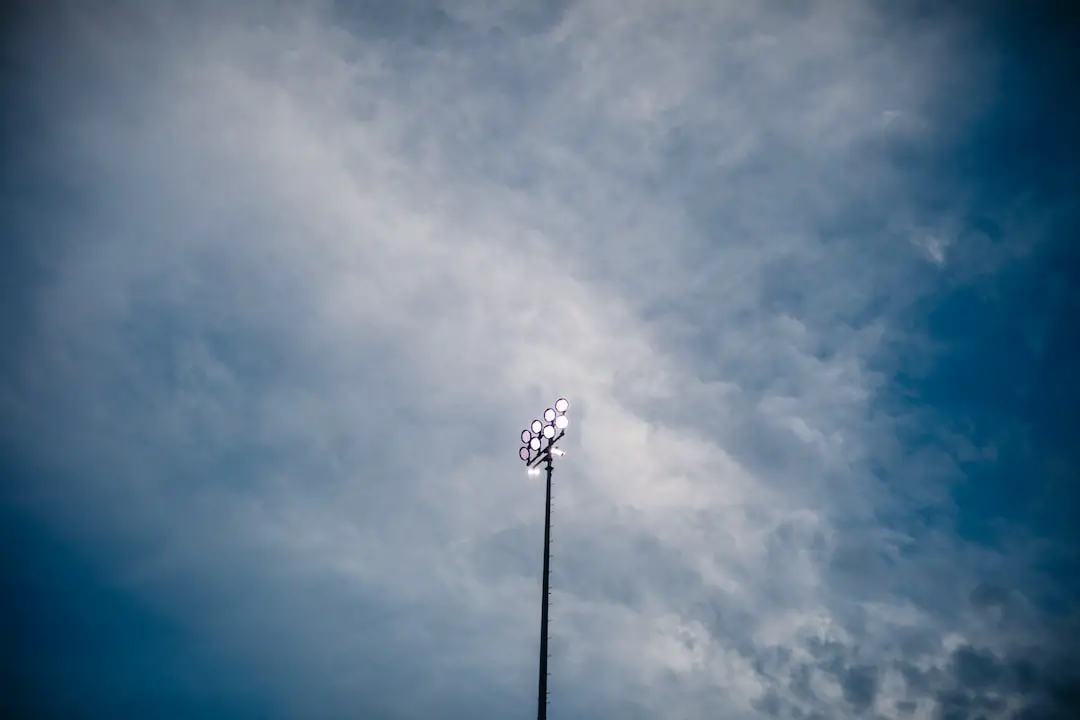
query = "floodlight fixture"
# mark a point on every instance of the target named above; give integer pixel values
(551, 430)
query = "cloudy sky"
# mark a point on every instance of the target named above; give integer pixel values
(283, 282)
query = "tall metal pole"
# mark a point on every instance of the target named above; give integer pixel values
(541, 700)
(532, 453)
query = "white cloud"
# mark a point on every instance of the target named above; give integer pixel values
(324, 278)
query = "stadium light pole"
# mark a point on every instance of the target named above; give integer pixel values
(534, 453)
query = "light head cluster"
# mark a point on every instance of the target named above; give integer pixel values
(533, 437)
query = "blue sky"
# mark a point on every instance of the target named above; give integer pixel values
(284, 284)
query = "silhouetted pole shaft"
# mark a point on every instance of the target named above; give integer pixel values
(541, 706)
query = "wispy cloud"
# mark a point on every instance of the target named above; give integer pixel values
(317, 266)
